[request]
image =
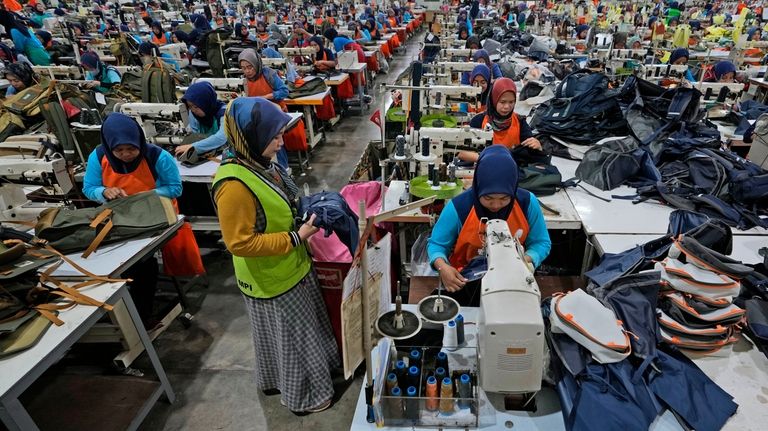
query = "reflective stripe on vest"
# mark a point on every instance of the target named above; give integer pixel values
(470, 239)
(510, 137)
(266, 276)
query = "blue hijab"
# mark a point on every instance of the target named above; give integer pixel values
(252, 123)
(481, 53)
(496, 173)
(203, 95)
(340, 42)
(722, 67)
(120, 129)
(485, 72)
(678, 54)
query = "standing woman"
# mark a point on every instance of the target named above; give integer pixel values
(24, 41)
(256, 201)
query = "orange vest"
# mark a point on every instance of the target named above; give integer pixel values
(510, 137)
(261, 87)
(159, 41)
(470, 239)
(181, 254)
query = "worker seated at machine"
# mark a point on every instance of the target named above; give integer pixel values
(456, 237)
(509, 129)
(206, 119)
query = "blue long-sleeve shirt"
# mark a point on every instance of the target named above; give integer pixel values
(279, 89)
(167, 183)
(448, 226)
(495, 71)
(28, 44)
(212, 142)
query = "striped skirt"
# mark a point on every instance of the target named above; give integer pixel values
(295, 348)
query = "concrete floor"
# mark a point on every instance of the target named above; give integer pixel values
(210, 365)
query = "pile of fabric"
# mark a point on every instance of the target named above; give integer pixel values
(696, 311)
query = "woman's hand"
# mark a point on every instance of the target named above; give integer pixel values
(468, 156)
(451, 278)
(532, 143)
(308, 229)
(111, 193)
(181, 149)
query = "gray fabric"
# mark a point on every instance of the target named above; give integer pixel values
(295, 348)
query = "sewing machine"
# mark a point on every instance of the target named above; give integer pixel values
(627, 54)
(456, 52)
(163, 123)
(59, 72)
(720, 91)
(510, 326)
(274, 63)
(176, 51)
(297, 52)
(29, 160)
(436, 96)
(444, 70)
(656, 72)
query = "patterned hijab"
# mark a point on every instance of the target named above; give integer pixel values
(250, 124)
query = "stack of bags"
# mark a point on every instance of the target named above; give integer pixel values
(696, 310)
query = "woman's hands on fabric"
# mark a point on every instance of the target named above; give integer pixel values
(451, 278)
(181, 149)
(532, 143)
(111, 193)
(308, 229)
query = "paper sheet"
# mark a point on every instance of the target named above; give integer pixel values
(352, 325)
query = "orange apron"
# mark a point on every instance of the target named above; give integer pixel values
(261, 87)
(510, 137)
(160, 41)
(181, 255)
(470, 239)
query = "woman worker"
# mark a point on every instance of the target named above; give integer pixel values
(123, 165)
(481, 77)
(456, 237)
(722, 71)
(102, 77)
(24, 41)
(20, 75)
(256, 201)
(207, 118)
(509, 129)
(324, 60)
(680, 56)
(481, 56)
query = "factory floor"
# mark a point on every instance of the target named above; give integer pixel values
(210, 364)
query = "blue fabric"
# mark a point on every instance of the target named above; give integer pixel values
(10, 91)
(615, 265)
(446, 232)
(279, 89)
(290, 74)
(204, 96)
(333, 215)
(167, 178)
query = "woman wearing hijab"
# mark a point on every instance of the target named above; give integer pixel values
(39, 14)
(722, 71)
(21, 76)
(494, 195)
(324, 59)
(125, 164)
(509, 129)
(159, 36)
(180, 36)
(261, 81)
(582, 31)
(463, 33)
(473, 42)
(261, 31)
(207, 118)
(481, 77)
(24, 41)
(256, 203)
(300, 37)
(680, 56)
(243, 35)
(481, 56)
(101, 76)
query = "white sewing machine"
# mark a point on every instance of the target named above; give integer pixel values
(657, 72)
(163, 123)
(435, 96)
(456, 52)
(444, 71)
(176, 51)
(510, 326)
(720, 91)
(296, 52)
(226, 88)
(59, 72)
(628, 54)
(445, 139)
(26, 160)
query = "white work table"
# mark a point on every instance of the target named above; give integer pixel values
(741, 370)
(19, 371)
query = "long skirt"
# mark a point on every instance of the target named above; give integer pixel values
(295, 348)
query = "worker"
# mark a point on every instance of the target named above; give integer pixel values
(679, 57)
(723, 71)
(159, 36)
(481, 77)
(300, 37)
(481, 56)
(456, 238)
(243, 35)
(582, 31)
(39, 14)
(261, 81)
(207, 118)
(102, 77)
(509, 129)
(123, 165)
(20, 75)
(324, 60)
(256, 202)
(24, 41)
